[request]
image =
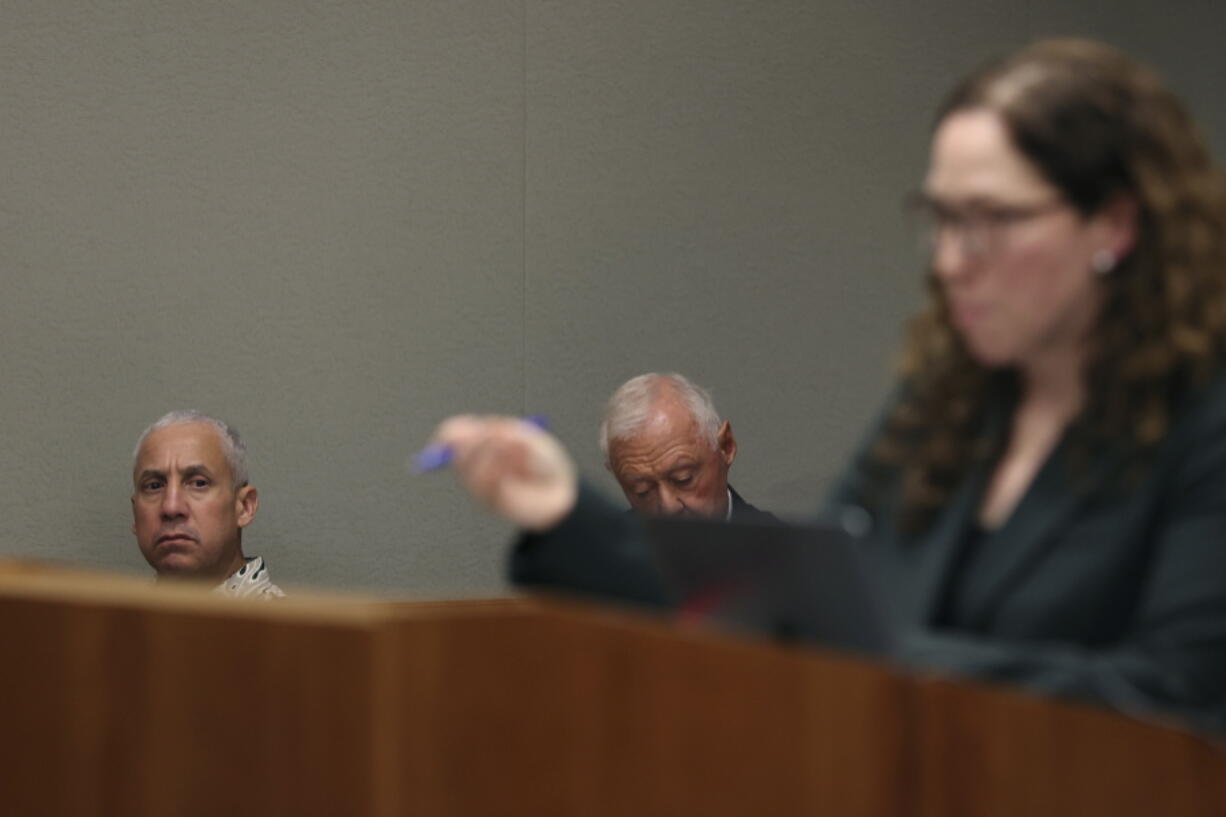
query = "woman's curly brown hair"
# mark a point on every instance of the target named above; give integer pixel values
(1096, 125)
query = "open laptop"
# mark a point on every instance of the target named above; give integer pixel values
(795, 583)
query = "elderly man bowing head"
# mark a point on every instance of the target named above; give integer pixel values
(191, 500)
(670, 452)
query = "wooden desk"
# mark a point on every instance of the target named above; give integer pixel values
(118, 697)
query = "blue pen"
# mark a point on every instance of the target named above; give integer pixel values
(440, 455)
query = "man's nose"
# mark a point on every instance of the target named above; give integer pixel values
(671, 502)
(173, 503)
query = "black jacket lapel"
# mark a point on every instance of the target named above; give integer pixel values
(1054, 495)
(934, 551)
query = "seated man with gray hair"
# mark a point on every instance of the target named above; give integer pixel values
(670, 452)
(191, 500)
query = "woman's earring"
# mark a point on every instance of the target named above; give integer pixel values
(1102, 262)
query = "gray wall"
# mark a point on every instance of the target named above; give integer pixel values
(335, 223)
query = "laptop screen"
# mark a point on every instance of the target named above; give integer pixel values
(796, 583)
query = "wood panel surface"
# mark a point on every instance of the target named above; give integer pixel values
(118, 697)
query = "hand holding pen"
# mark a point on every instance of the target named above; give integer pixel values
(440, 454)
(512, 465)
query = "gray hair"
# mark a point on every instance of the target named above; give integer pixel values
(232, 445)
(630, 407)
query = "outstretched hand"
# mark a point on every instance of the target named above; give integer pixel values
(513, 467)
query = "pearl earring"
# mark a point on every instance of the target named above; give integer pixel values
(1102, 262)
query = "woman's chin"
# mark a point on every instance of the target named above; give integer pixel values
(991, 355)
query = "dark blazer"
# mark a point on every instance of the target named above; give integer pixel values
(1095, 587)
(1098, 586)
(742, 511)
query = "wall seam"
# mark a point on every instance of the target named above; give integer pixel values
(523, 242)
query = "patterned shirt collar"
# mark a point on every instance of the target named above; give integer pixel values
(250, 581)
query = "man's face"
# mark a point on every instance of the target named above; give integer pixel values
(186, 511)
(669, 467)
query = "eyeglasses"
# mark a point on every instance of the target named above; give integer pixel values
(982, 228)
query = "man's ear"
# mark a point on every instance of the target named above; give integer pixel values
(725, 443)
(246, 503)
(133, 501)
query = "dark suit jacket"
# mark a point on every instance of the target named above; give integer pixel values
(1098, 586)
(1094, 588)
(742, 511)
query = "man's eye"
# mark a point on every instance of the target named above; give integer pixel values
(642, 493)
(152, 485)
(199, 482)
(683, 480)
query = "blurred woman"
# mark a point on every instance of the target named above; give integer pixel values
(1047, 488)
